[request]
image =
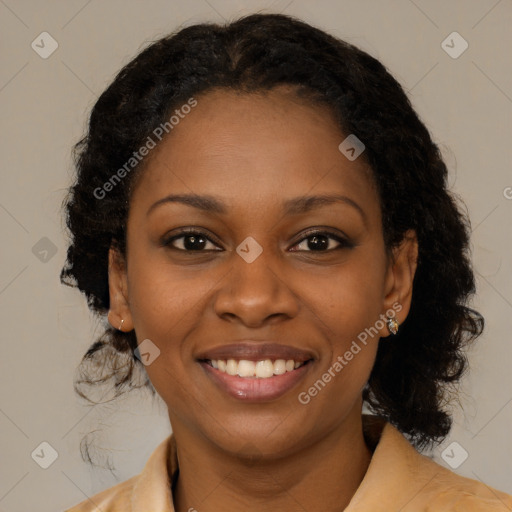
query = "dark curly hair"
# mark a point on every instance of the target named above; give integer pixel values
(414, 372)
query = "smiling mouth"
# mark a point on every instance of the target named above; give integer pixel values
(261, 369)
(256, 371)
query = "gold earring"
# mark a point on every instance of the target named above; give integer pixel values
(121, 325)
(392, 325)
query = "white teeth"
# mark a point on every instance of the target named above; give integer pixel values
(279, 367)
(231, 367)
(264, 369)
(261, 369)
(246, 368)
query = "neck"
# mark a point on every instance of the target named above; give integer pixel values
(321, 475)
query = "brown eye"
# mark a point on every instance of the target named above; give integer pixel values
(190, 241)
(321, 241)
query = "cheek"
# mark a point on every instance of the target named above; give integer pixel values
(167, 305)
(162, 296)
(158, 305)
(350, 299)
(163, 310)
(349, 310)
(350, 322)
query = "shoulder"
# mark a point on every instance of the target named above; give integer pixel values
(114, 499)
(400, 478)
(148, 491)
(453, 493)
(448, 491)
(443, 490)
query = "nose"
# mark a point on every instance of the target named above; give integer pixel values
(256, 293)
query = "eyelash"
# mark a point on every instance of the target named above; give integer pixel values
(184, 232)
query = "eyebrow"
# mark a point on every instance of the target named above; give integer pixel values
(295, 206)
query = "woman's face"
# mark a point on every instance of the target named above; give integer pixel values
(257, 282)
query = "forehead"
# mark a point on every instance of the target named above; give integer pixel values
(260, 147)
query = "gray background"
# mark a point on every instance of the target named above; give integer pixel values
(466, 102)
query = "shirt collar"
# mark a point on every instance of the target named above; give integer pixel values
(398, 477)
(152, 490)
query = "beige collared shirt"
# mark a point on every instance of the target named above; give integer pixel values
(398, 479)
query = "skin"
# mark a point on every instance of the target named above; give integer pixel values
(254, 151)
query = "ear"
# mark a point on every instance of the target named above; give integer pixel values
(119, 315)
(399, 279)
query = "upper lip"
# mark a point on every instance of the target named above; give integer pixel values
(256, 351)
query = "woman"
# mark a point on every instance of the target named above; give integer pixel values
(265, 222)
